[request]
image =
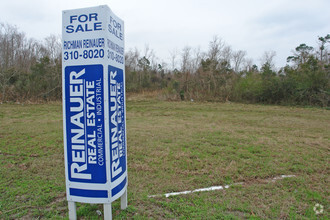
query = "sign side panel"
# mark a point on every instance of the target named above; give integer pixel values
(117, 122)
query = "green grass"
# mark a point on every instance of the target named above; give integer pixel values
(178, 146)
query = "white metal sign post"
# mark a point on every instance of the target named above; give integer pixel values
(94, 111)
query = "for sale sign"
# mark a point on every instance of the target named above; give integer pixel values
(94, 112)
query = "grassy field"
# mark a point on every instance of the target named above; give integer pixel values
(178, 146)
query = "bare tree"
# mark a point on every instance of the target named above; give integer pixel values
(173, 58)
(248, 64)
(226, 54)
(131, 59)
(53, 47)
(14, 55)
(238, 59)
(215, 48)
(185, 59)
(268, 59)
(150, 55)
(196, 59)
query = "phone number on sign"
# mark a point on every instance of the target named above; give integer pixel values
(86, 54)
(115, 57)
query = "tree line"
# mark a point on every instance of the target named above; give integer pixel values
(222, 74)
(31, 70)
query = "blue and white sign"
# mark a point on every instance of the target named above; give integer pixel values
(84, 108)
(94, 111)
(117, 128)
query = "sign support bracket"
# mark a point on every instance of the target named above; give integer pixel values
(123, 200)
(107, 211)
(72, 210)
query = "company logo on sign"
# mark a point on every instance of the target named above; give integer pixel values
(85, 126)
(117, 125)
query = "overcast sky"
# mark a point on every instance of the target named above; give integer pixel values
(255, 26)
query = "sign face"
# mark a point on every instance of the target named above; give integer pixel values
(117, 127)
(94, 111)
